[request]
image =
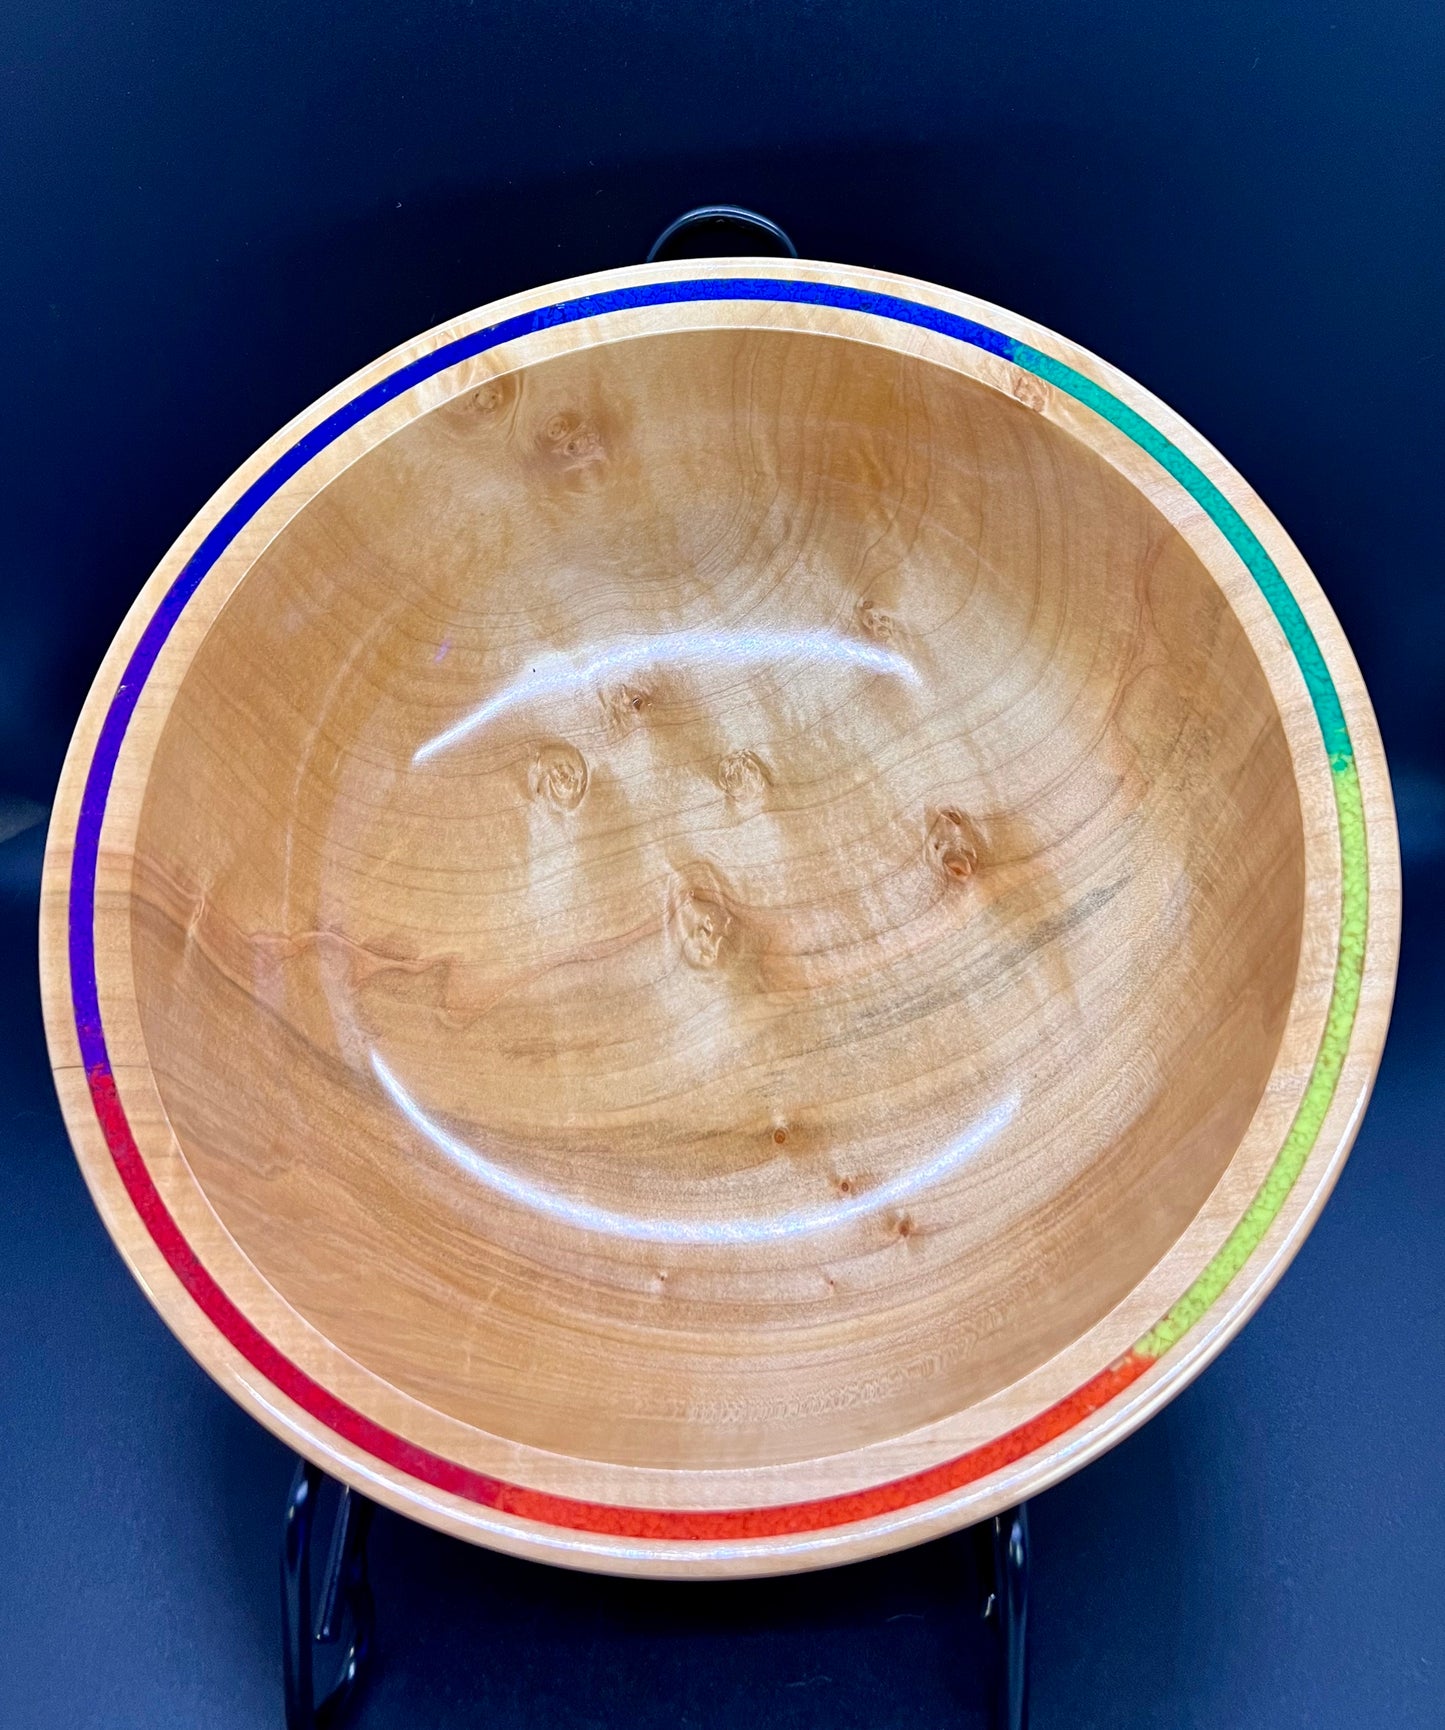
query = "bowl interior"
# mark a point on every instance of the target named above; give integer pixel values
(717, 899)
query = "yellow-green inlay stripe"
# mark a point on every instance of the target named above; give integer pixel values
(1319, 1090)
(1354, 855)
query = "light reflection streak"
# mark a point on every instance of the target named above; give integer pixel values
(587, 1217)
(560, 676)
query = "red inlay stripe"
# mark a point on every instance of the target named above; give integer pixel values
(702, 1525)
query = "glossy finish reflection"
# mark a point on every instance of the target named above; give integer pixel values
(700, 1231)
(603, 664)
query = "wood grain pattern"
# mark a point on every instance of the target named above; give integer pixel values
(714, 907)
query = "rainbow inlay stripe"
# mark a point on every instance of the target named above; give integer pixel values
(741, 1524)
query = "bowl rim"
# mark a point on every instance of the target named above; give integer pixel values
(691, 1523)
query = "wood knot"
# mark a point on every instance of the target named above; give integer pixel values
(1031, 392)
(572, 440)
(482, 408)
(742, 777)
(626, 705)
(488, 398)
(952, 845)
(703, 926)
(878, 623)
(559, 775)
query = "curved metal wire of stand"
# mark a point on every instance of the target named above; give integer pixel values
(345, 1605)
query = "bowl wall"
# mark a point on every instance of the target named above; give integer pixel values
(720, 918)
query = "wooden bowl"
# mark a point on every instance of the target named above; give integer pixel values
(720, 918)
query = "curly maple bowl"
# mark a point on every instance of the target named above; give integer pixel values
(719, 918)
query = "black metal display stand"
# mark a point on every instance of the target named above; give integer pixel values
(342, 1619)
(338, 1622)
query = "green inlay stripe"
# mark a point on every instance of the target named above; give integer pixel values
(1354, 855)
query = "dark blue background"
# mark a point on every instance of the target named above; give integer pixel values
(211, 213)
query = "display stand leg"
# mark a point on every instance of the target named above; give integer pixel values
(1007, 1537)
(343, 1608)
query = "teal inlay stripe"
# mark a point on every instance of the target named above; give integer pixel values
(1228, 520)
